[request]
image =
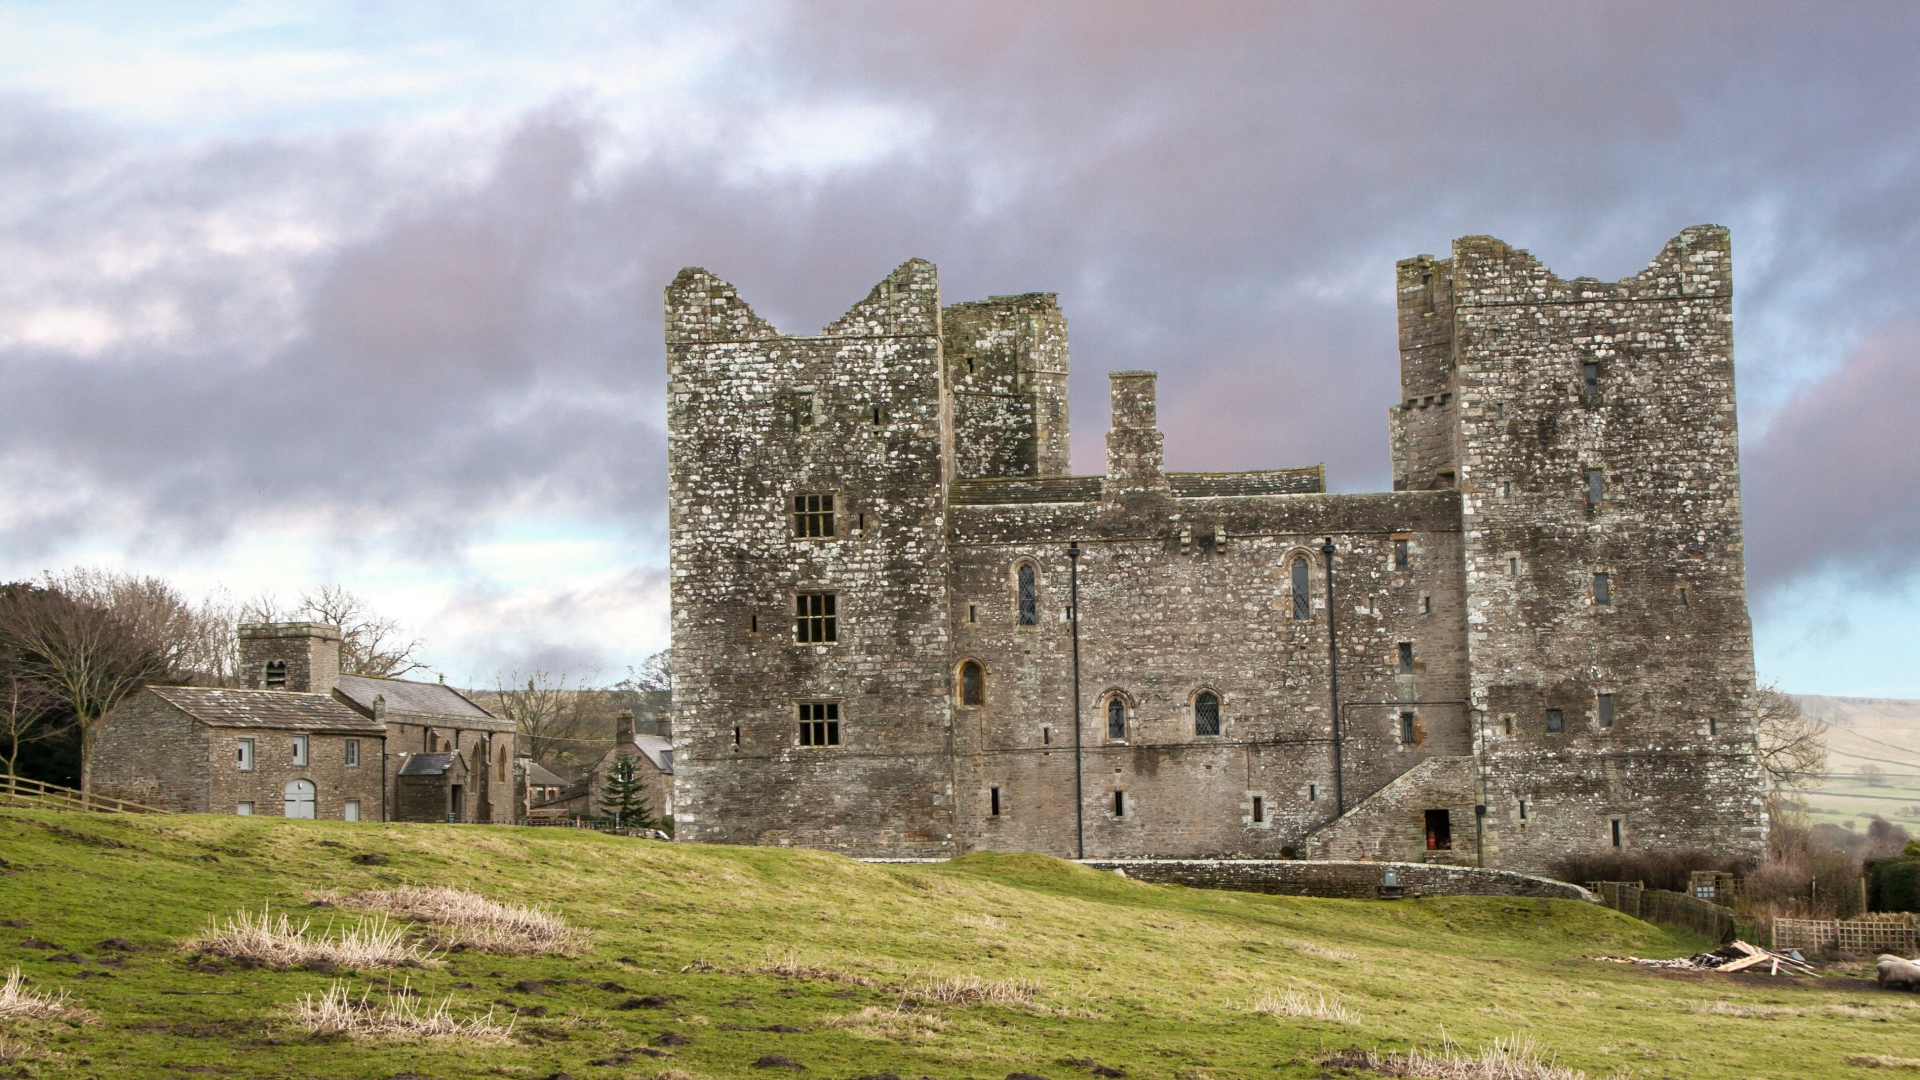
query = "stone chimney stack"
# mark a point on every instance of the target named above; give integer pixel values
(1135, 465)
(301, 657)
(623, 727)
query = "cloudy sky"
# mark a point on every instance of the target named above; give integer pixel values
(365, 293)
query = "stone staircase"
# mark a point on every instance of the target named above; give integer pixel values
(1390, 824)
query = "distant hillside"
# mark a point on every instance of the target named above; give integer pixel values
(1881, 732)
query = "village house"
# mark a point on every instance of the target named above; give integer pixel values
(653, 765)
(303, 740)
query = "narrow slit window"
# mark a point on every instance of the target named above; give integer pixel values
(816, 618)
(736, 736)
(1590, 376)
(1400, 558)
(1119, 804)
(1683, 596)
(1313, 792)
(276, 674)
(970, 693)
(1046, 736)
(1406, 658)
(1116, 719)
(1523, 809)
(1616, 832)
(876, 416)
(1602, 593)
(973, 613)
(996, 802)
(1426, 605)
(1596, 486)
(819, 723)
(1206, 713)
(1556, 721)
(1499, 410)
(1302, 602)
(1029, 596)
(1606, 710)
(1506, 489)
(1508, 721)
(803, 412)
(1406, 729)
(812, 516)
(1259, 809)
(1513, 566)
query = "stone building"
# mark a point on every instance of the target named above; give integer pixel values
(342, 740)
(901, 628)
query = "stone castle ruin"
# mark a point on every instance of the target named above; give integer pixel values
(902, 628)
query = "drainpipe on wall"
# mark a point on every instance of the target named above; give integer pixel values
(1073, 609)
(1333, 682)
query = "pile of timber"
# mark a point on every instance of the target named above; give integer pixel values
(1738, 956)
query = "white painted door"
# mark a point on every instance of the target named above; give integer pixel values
(300, 798)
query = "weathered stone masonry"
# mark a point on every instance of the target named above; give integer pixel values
(1541, 633)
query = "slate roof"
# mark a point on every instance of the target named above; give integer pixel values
(404, 695)
(539, 775)
(428, 764)
(265, 709)
(658, 750)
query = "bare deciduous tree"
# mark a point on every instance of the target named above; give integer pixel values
(195, 642)
(549, 718)
(26, 710)
(370, 643)
(1792, 746)
(1874, 775)
(88, 657)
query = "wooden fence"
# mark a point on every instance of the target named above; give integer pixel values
(1710, 921)
(20, 791)
(1867, 935)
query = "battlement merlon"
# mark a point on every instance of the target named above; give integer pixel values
(702, 308)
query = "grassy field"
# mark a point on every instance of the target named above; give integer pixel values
(724, 956)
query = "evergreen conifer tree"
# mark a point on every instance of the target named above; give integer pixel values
(624, 795)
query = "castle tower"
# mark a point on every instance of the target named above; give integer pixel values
(807, 481)
(1590, 428)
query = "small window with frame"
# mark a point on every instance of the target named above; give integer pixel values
(1604, 708)
(813, 517)
(1027, 584)
(1402, 558)
(819, 723)
(243, 755)
(1206, 713)
(1556, 720)
(816, 618)
(1116, 718)
(352, 753)
(1602, 589)
(299, 749)
(972, 692)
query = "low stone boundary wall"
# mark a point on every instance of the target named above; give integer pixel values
(1340, 878)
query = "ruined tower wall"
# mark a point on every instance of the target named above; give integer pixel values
(1669, 642)
(754, 419)
(1006, 361)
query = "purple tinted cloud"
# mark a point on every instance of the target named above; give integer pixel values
(420, 331)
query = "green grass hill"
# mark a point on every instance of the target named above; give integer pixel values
(706, 960)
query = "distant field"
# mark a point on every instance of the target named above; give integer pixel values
(1883, 732)
(706, 960)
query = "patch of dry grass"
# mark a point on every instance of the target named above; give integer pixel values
(478, 922)
(1881, 1061)
(1506, 1059)
(370, 942)
(19, 1003)
(1295, 1003)
(338, 1012)
(887, 1025)
(1734, 1008)
(973, 990)
(1315, 949)
(793, 967)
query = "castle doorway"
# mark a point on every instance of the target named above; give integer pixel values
(1439, 830)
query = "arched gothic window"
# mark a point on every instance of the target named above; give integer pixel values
(1116, 718)
(1302, 606)
(1029, 596)
(1206, 713)
(970, 683)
